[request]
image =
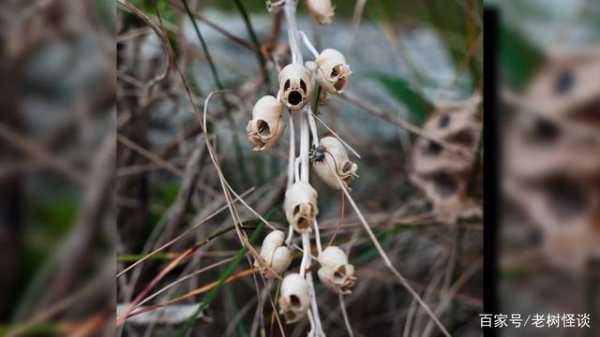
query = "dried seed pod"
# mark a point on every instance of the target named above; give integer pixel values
(333, 73)
(321, 10)
(441, 173)
(300, 206)
(267, 123)
(276, 255)
(295, 85)
(552, 170)
(295, 297)
(567, 86)
(335, 157)
(335, 271)
(271, 242)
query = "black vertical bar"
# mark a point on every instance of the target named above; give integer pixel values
(491, 161)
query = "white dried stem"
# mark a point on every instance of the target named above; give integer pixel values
(305, 263)
(317, 237)
(290, 15)
(304, 147)
(318, 328)
(309, 45)
(297, 165)
(313, 127)
(345, 315)
(292, 154)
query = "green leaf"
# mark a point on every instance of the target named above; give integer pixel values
(519, 58)
(417, 104)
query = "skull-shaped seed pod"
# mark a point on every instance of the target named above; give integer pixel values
(565, 217)
(333, 73)
(560, 190)
(448, 194)
(552, 170)
(295, 297)
(276, 255)
(441, 173)
(562, 131)
(321, 10)
(267, 124)
(457, 124)
(295, 85)
(335, 271)
(332, 155)
(300, 206)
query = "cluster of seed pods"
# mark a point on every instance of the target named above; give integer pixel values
(298, 85)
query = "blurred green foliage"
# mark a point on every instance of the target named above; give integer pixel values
(163, 195)
(519, 58)
(418, 106)
(51, 218)
(167, 12)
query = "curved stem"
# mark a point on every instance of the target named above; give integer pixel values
(336, 136)
(309, 45)
(345, 315)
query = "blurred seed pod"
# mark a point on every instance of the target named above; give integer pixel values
(552, 167)
(333, 73)
(567, 87)
(276, 255)
(335, 271)
(295, 297)
(295, 86)
(300, 206)
(267, 124)
(321, 10)
(441, 173)
(332, 154)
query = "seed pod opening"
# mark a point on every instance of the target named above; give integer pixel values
(267, 124)
(295, 297)
(333, 72)
(321, 10)
(335, 271)
(300, 206)
(334, 157)
(276, 255)
(295, 85)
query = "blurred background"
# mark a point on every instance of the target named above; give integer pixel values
(57, 147)
(550, 122)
